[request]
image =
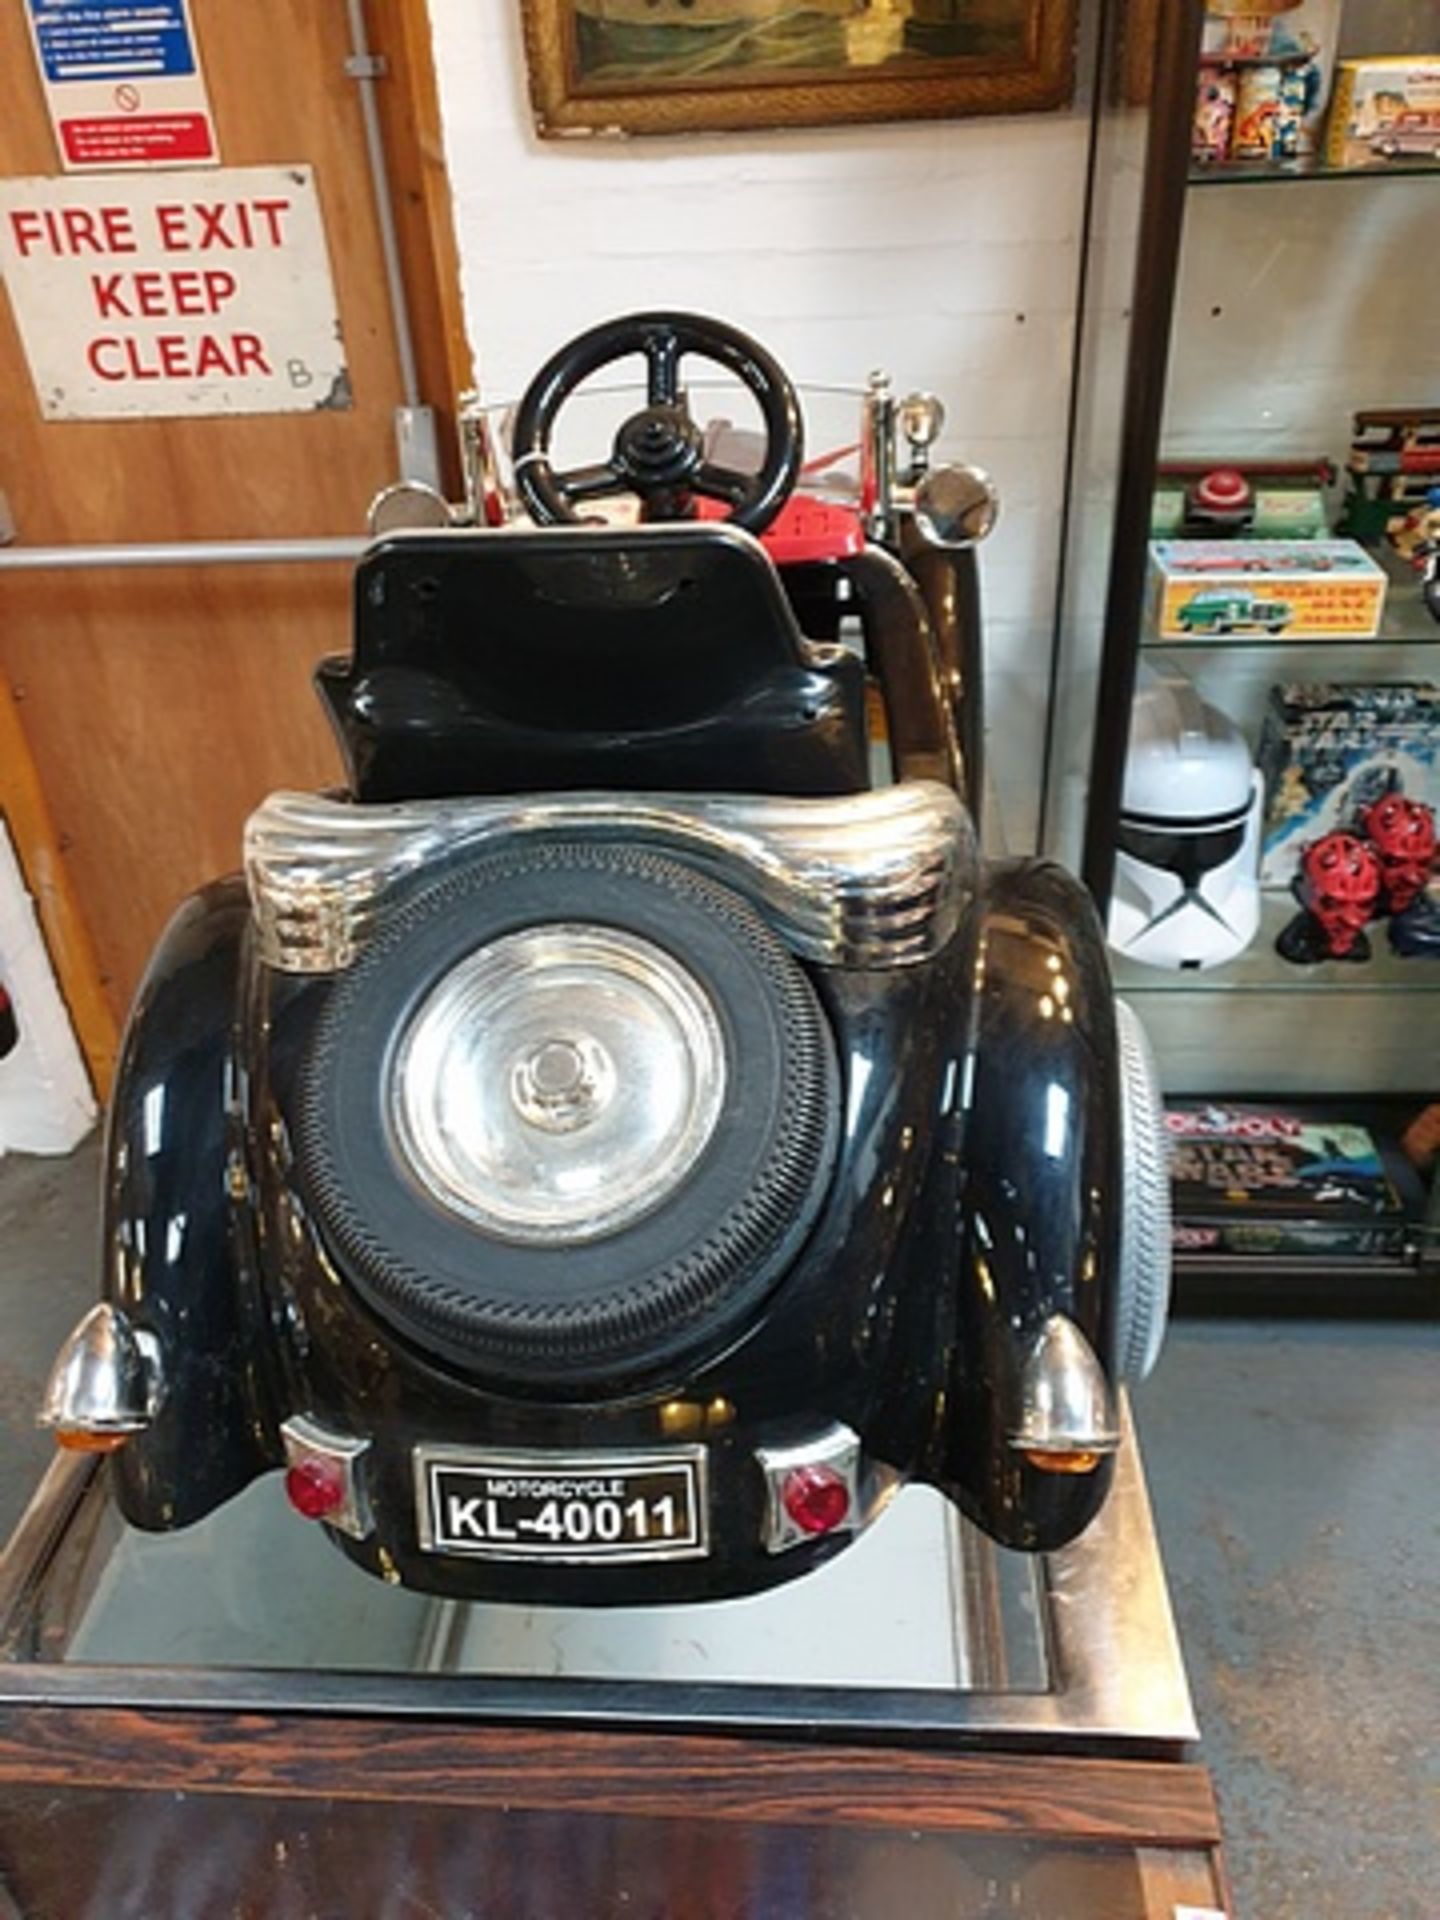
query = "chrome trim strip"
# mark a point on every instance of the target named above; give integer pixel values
(868, 880)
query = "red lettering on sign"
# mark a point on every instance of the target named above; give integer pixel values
(211, 357)
(171, 356)
(174, 361)
(249, 354)
(81, 230)
(155, 295)
(28, 229)
(271, 211)
(73, 230)
(212, 228)
(108, 302)
(170, 220)
(118, 231)
(187, 291)
(150, 295)
(93, 353)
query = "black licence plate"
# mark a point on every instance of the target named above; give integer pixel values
(523, 1506)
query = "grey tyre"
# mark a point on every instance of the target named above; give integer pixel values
(1143, 1295)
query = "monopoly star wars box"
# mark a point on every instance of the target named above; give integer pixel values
(1261, 1179)
(1287, 589)
(1327, 750)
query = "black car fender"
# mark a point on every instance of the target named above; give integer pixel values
(1036, 1207)
(175, 1222)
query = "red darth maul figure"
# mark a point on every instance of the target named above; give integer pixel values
(1338, 887)
(1402, 832)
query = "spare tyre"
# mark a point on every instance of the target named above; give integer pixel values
(570, 1116)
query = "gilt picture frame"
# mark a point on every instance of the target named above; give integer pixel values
(689, 66)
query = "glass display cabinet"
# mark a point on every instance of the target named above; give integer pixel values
(1257, 430)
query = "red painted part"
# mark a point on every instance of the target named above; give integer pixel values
(816, 1499)
(805, 529)
(315, 1488)
(160, 138)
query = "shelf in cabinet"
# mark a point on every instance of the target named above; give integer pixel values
(1254, 642)
(1241, 173)
(1261, 970)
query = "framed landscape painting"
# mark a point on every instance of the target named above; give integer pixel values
(686, 66)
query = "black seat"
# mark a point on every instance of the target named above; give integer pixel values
(660, 657)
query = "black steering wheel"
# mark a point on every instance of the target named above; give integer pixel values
(659, 453)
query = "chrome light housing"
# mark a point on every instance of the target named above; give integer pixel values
(1066, 1412)
(106, 1381)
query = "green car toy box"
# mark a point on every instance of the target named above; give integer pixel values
(1287, 589)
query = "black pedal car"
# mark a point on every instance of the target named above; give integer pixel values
(631, 1131)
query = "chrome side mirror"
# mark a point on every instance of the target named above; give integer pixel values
(956, 506)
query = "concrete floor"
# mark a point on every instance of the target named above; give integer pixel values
(1294, 1473)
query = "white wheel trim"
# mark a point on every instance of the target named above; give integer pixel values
(1142, 1304)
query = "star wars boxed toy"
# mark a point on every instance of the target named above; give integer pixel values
(1261, 1179)
(1327, 751)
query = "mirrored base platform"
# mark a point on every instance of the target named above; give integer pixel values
(923, 1627)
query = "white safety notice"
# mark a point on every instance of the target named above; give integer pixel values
(122, 83)
(174, 294)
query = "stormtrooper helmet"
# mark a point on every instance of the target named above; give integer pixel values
(1187, 888)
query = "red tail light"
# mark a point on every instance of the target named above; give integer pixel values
(816, 1498)
(315, 1488)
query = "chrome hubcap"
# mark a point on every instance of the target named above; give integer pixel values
(558, 1084)
(563, 1084)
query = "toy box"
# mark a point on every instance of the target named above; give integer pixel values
(1274, 59)
(1326, 751)
(1261, 1179)
(1289, 589)
(1385, 110)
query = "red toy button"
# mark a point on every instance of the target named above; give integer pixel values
(1224, 487)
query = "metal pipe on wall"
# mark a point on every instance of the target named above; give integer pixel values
(363, 68)
(181, 553)
(416, 447)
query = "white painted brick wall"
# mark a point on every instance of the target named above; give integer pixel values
(45, 1100)
(946, 252)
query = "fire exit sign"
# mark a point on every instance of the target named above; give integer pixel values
(176, 293)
